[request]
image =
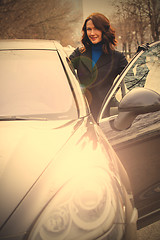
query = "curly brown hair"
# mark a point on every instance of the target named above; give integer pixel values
(108, 33)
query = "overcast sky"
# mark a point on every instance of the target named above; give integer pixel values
(102, 6)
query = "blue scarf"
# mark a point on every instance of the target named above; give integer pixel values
(96, 52)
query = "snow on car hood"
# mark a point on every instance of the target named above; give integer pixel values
(26, 148)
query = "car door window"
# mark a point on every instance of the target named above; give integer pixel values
(143, 72)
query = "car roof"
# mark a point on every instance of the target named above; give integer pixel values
(11, 44)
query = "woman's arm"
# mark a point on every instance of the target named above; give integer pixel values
(74, 57)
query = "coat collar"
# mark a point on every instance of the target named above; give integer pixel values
(86, 59)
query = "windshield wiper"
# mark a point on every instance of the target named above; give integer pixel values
(20, 118)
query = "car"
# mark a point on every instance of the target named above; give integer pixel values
(130, 118)
(60, 178)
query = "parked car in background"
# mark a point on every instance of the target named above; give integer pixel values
(60, 179)
(130, 118)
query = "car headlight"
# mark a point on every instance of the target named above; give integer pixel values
(86, 207)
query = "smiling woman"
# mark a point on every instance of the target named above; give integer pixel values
(97, 62)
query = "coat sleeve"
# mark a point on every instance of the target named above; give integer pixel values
(74, 57)
(122, 62)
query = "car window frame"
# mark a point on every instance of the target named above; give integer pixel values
(80, 100)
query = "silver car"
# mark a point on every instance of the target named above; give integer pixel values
(60, 178)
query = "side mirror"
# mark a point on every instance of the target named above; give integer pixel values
(137, 101)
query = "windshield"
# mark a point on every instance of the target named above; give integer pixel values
(33, 83)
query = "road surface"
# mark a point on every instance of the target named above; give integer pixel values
(151, 232)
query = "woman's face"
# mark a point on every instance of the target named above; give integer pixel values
(94, 34)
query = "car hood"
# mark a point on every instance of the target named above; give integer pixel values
(26, 149)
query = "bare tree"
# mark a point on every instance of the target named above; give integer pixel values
(153, 13)
(125, 26)
(146, 13)
(137, 22)
(49, 19)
